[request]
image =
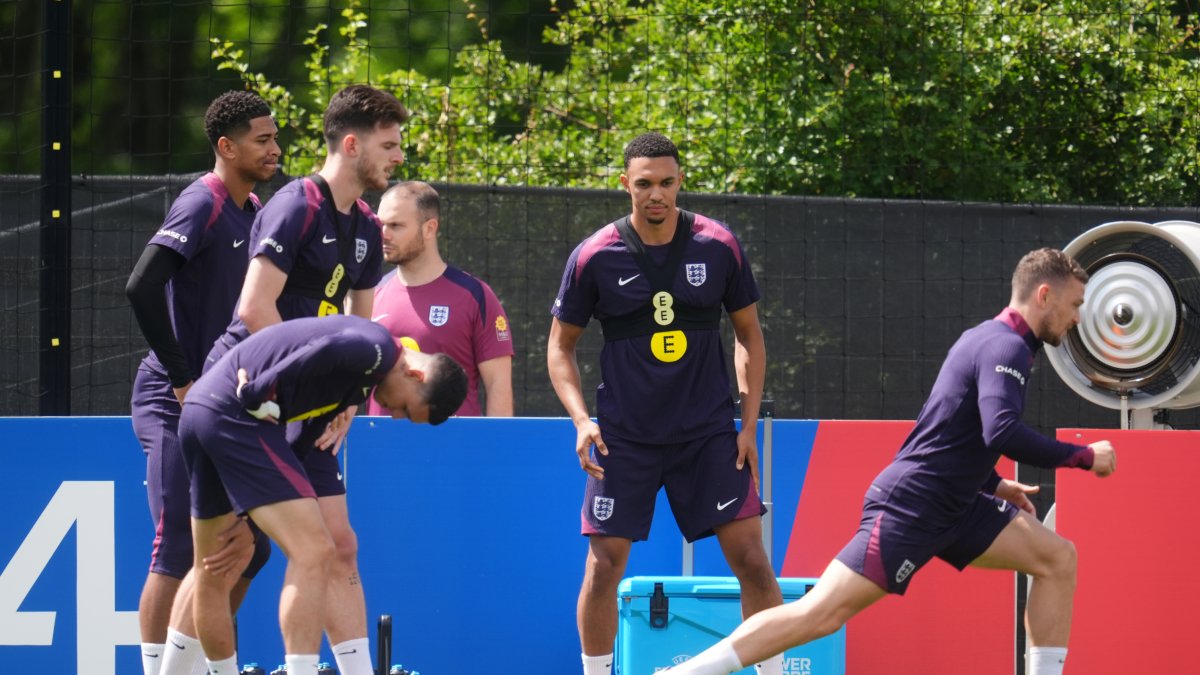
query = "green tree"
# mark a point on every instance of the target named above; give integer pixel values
(989, 100)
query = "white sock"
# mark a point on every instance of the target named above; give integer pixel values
(719, 659)
(182, 655)
(1046, 660)
(300, 664)
(224, 666)
(353, 657)
(151, 658)
(597, 665)
(771, 666)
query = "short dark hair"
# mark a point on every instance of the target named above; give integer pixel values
(651, 144)
(1044, 265)
(361, 108)
(445, 388)
(429, 204)
(230, 113)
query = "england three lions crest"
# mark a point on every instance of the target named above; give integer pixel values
(439, 315)
(602, 508)
(696, 273)
(360, 249)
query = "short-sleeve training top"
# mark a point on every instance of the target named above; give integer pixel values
(323, 252)
(212, 234)
(456, 314)
(670, 385)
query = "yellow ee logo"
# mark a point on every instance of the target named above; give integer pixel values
(331, 288)
(327, 309)
(410, 343)
(668, 347)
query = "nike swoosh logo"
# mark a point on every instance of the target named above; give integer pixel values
(176, 644)
(376, 318)
(352, 651)
(622, 282)
(153, 656)
(1000, 507)
(238, 243)
(721, 507)
(326, 239)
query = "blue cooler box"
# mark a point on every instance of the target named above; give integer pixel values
(667, 620)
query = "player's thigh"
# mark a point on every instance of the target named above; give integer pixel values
(336, 515)
(706, 489)
(1026, 546)
(622, 504)
(155, 415)
(205, 533)
(839, 594)
(253, 462)
(971, 533)
(296, 525)
(324, 471)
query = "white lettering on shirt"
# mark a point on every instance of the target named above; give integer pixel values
(1011, 371)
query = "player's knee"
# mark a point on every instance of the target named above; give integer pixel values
(751, 566)
(604, 571)
(315, 556)
(345, 543)
(1065, 560)
(1058, 562)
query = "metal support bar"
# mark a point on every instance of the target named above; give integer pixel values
(768, 522)
(54, 307)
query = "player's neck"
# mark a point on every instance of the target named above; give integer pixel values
(1030, 315)
(238, 188)
(421, 271)
(344, 185)
(655, 234)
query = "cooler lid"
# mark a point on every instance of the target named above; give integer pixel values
(643, 587)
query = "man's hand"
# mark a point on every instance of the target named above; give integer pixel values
(336, 432)
(268, 411)
(1017, 494)
(181, 392)
(237, 547)
(747, 445)
(1105, 462)
(587, 434)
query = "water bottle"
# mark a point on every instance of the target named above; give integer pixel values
(398, 670)
(324, 668)
(252, 669)
(281, 670)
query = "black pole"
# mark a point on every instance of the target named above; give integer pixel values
(54, 308)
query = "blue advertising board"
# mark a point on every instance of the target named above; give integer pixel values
(468, 536)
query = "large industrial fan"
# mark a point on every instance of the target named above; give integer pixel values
(1137, 346)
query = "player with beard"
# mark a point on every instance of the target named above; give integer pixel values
(435, 307)
(941, 496)
(316, 251)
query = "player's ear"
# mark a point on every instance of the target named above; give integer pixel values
(415, 373)
(625, 182)
(226, 147)
(1043, 294)
(350, 144)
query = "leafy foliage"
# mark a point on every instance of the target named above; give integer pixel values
(988, 100)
